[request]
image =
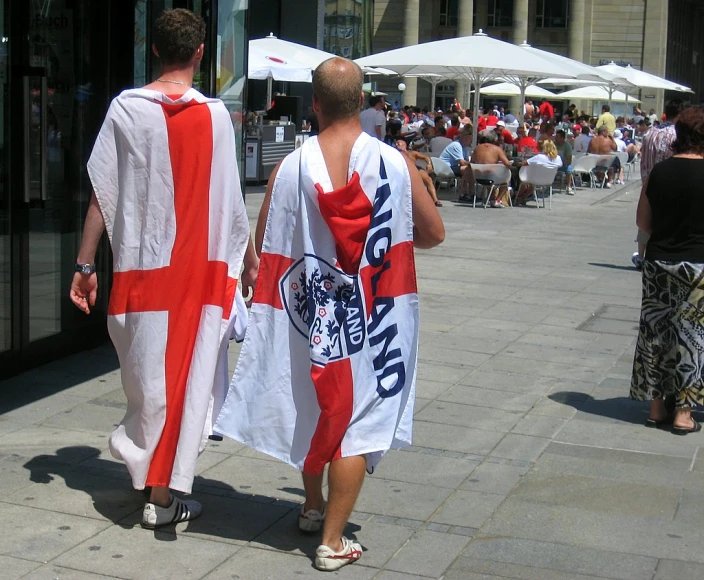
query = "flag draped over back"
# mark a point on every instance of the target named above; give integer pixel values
(328, 366)
(165, 175)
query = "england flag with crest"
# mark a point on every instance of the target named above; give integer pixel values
(328, 365)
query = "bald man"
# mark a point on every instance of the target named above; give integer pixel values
(326, 373)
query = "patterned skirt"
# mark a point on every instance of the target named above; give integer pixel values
(669, 358)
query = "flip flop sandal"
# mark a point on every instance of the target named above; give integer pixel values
(438, 204)
(695, 428)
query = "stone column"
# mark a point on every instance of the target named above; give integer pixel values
(576, 30)
(464, 28)
(410, 37)
(519, 34)
(482, 15)
(520, 21)
(654, 51)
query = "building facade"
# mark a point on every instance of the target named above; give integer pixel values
(635, 32)
(61, 62)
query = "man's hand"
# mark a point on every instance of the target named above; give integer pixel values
(249, 280)
(84, 291)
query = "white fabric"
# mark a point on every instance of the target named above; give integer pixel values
(131, 173)
(283, 60)
(272, 404)
(620, 144)
(545, 161)
(371, 118)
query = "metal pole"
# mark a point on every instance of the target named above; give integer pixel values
(269, 92)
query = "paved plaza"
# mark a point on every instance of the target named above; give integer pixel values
(529, 460)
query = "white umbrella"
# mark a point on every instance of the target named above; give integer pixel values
(511, 90)
(585, 73)
(273, 59)
(643, 79)
(596, 93)
(476, 58)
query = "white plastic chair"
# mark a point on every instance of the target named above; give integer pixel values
(584, 164)
(603, 161)
(539, 177)
(444, 173)
(491, 175)
(630, 166)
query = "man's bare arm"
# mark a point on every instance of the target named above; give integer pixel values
(428, 229)
(264, 211)
(84, 287)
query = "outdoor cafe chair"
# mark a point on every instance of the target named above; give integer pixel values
(491, 175)
(630, 166)
(444, 173)
(584, 165)
(540, 177)
(602, 161)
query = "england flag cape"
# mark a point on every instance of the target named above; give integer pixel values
(328, 365)
(165, 175)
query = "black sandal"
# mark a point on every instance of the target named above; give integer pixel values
(695, 428)
(653, 424)
(465, 198)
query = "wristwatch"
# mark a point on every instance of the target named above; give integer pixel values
(85, 268)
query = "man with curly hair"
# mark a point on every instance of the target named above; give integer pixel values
(167, 192)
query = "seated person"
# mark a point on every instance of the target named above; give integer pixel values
(454, 129)
(547, 157)
(604, 144)
(453, 155)
(424, 173)
(489, 152)
(439, 141)
(503, 134)
(526, 141)
(564, 150)
(581, 138)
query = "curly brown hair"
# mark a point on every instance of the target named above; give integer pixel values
(177, 35)
(690, 131)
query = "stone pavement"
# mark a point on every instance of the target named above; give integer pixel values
(529, 461)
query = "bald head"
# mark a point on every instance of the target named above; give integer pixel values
(337, 86)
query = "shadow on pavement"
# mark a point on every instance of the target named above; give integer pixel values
(55, 377)
(622, 409)
(614, 266)
(619, 408)
(227, 513)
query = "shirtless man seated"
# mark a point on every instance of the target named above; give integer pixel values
(487, 152)
(604, 144)
(424, 173)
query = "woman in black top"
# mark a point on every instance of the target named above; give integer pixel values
(669, 358)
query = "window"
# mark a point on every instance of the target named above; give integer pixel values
(448, 12)
(551, 13)
(500, 13)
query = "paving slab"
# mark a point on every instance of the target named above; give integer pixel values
(455, 438)
(410, 467)
(428, 553)
(468, 508)
(15, 568)
(50, 533)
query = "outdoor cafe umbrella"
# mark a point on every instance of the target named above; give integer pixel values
(273, 59)
(643, 79)
(477, 59)
(584, 73)
(511, 90)
(596, 93)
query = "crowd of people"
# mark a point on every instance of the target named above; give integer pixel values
(449, 134)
